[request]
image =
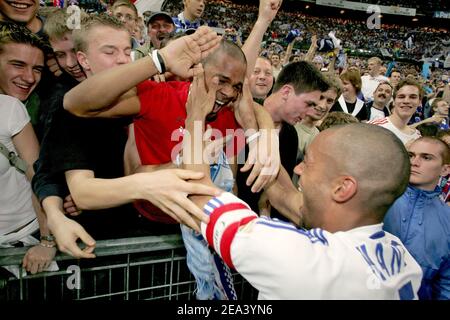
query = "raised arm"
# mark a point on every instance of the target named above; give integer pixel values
(435, 118)
(111, 88)
(284, 197)
(331, 66)
(289, 49)
(199, 104)
(267, 12)
(312, 49)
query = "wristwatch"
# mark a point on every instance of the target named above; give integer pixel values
(48, 238)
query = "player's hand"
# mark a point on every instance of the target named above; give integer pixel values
(201, 101)
(169, 190)
(182, 54)
(264, 157)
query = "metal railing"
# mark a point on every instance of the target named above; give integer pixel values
(144, 268)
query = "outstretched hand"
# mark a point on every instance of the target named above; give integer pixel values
(182, 54)
(200, 100)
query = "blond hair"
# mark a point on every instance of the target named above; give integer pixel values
(56, 24)
(81, 36)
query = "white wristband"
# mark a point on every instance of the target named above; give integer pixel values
(156, 61)
(253, 137)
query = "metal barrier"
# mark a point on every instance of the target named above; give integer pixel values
(145, 268)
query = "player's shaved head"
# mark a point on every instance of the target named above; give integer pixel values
(376, 158)
(225, 48)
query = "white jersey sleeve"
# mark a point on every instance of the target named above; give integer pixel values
(284, 262)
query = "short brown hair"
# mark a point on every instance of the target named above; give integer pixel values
(445, 149)
(15, 33)
(336, 118)
(409, 82)
(302, 76)
(435, 104)
(334, 83)
(354, 77)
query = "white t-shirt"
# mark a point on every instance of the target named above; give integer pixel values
(284, 262)
(386, 123)
(370, 84)
(376, 114)
(16, 208)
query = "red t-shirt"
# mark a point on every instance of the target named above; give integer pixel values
(159, 126)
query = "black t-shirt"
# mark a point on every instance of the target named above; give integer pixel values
(92, 144)
(288, 140)
(88, 143)
(45, 183)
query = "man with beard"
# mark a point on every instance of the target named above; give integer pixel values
(159, 27)
(379, 107)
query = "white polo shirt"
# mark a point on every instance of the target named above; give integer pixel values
(404, 137)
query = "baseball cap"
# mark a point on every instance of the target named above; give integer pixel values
(160, 14)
